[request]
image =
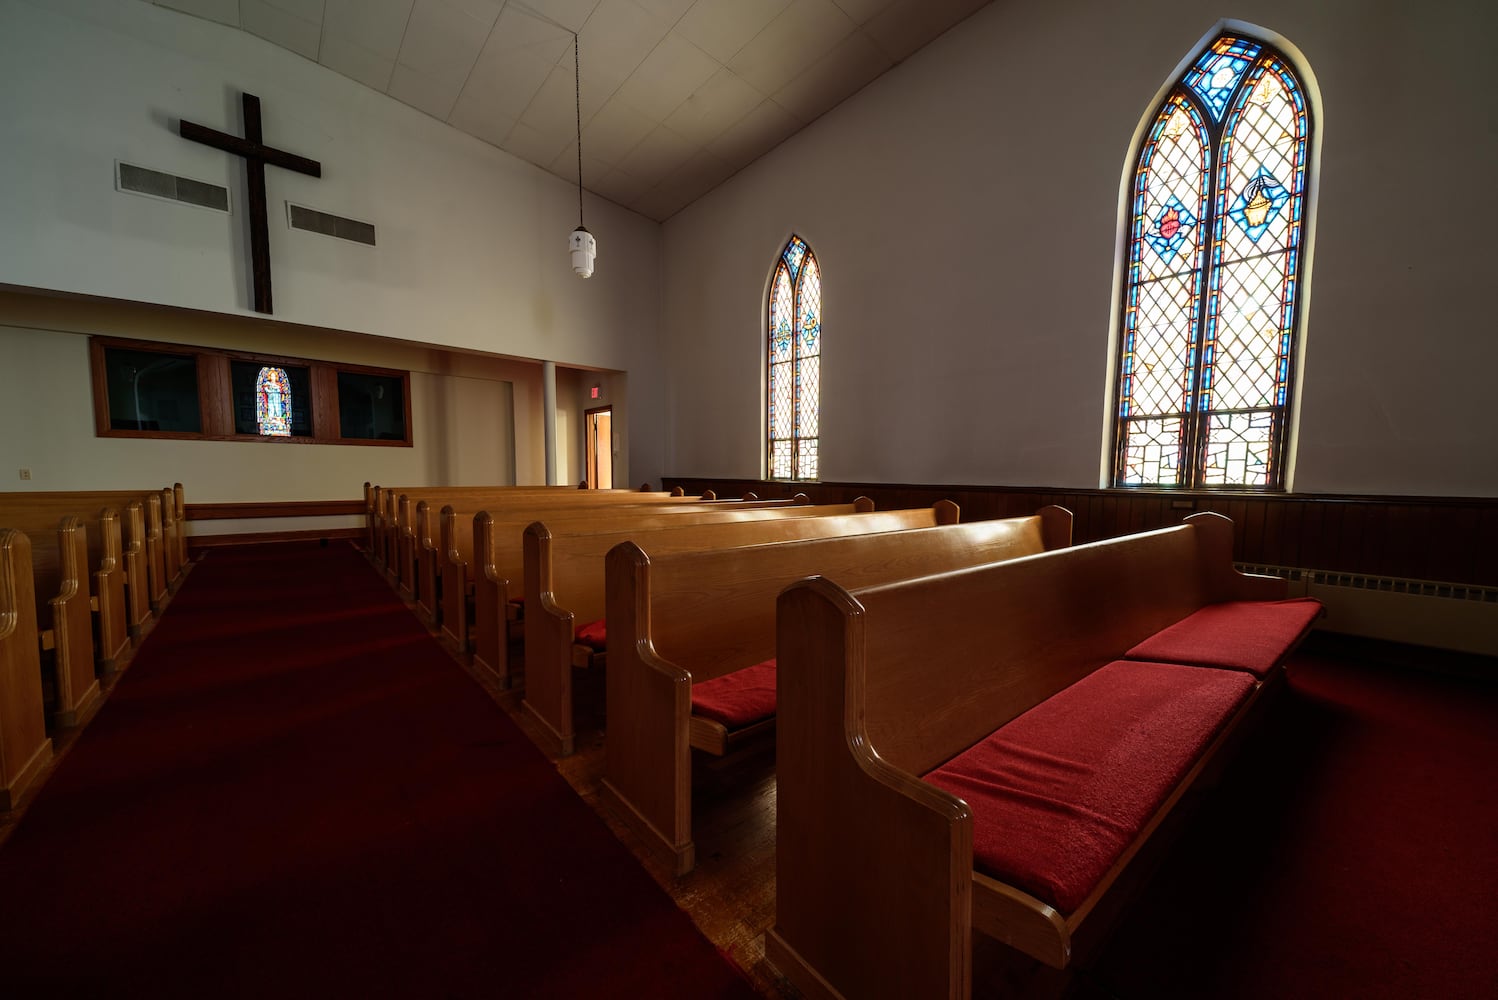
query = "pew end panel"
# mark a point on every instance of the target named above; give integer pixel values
(491, 604)
(25, 749)
(548, 646)
(71, 633)
(427, 573)
(891, 873)
(112, 633)
(455, 556)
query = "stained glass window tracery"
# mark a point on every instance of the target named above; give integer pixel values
(795, 357)
(1212, 272)
(273, 402)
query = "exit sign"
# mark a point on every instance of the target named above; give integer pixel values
(593, 392)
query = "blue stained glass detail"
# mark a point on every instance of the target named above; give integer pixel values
(1259, 204)
(1172, 225)
(795, 253)
(273, 402)
(1218, 71)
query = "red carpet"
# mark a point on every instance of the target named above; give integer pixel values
(1352, 851)
(293, 792)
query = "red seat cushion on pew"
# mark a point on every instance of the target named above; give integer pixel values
(1234, 635)
(594, 634)
(1058, 793)
(738, 699)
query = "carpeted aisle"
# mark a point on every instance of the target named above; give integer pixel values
(294, 792)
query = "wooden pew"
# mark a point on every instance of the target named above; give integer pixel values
(147, 574)
(388, 521)
(25, 748)
(680, 619)
(417, 543)
(564, 588)
(64, 634)
(107, 566)
(497, 561)
(877, 893)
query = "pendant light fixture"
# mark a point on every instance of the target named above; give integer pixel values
(582, 244)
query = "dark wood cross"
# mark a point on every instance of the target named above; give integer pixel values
(256, 155)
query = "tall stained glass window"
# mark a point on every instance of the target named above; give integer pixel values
(273, 402)
(795, 359)
(1213, 265)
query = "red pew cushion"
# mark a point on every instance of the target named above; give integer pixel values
(738, 699)
(1058, 793)
(594, 634)
(1234, 635)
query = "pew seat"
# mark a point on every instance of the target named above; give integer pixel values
(1004, 788)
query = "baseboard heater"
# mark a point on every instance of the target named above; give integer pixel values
(1453, 616)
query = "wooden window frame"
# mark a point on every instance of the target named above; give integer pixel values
(216, 402)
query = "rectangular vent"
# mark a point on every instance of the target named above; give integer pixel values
(1386, 584)
(142, 180)
(327, 224)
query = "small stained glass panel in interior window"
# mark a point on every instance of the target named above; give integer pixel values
(256, 410)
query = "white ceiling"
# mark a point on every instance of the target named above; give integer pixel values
(677, 95)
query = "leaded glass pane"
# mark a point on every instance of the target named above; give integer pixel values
(782, 400)
(1157, 361)
(795, 251)
(1152, 452)
(1250, 335)
(1218, 71)
(806, 459)
(808, 391)
(809, 310)
(1170, 194)
(782, 317)
(780, 460)
(273, 399)
(1239, 446)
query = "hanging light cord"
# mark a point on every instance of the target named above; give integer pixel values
(577, 79)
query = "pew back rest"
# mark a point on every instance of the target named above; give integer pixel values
(713, 612)
(951, 657)
(570, 567)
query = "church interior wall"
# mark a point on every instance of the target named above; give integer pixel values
(965, 211)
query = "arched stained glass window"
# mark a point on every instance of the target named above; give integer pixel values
(795, 358)
(1213, 268)
(273, 402)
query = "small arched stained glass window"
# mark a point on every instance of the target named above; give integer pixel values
(273, 402)
(795, 359)
(1213, 265)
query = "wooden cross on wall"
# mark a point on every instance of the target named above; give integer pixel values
(256, 155)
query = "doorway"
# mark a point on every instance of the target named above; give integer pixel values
(599, 429)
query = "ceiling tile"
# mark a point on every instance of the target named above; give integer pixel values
(616, 39)
(906, 25)
(754, 135)
(841, 73)
(699, 175)
(554, 108)
(618, 187)
(660, 154)
(480, 119)
(564, 165)
(443, 41)
(534, 145)
(615, 130)
(374, 25)
(484, 11)
(307, 10)
(222, 11)
(669, 75)
(717, 104)
(722, 27)
(861, 10)
(275, 25)
(356, 63)
(518, 31)
(571, 13)
(798, 37)
(669, 11)
(435, 97)
(660, 203)
(508, 81)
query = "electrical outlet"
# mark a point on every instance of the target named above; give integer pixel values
(25, 473)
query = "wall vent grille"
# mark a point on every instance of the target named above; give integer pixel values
(156, 184)
(313, 221)
(1385, 584)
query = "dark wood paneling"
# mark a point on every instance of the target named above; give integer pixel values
(289, 508)
(197, 543)
(1450, 539)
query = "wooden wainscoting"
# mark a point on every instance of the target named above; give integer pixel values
(1447, 539)
(269, 512)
